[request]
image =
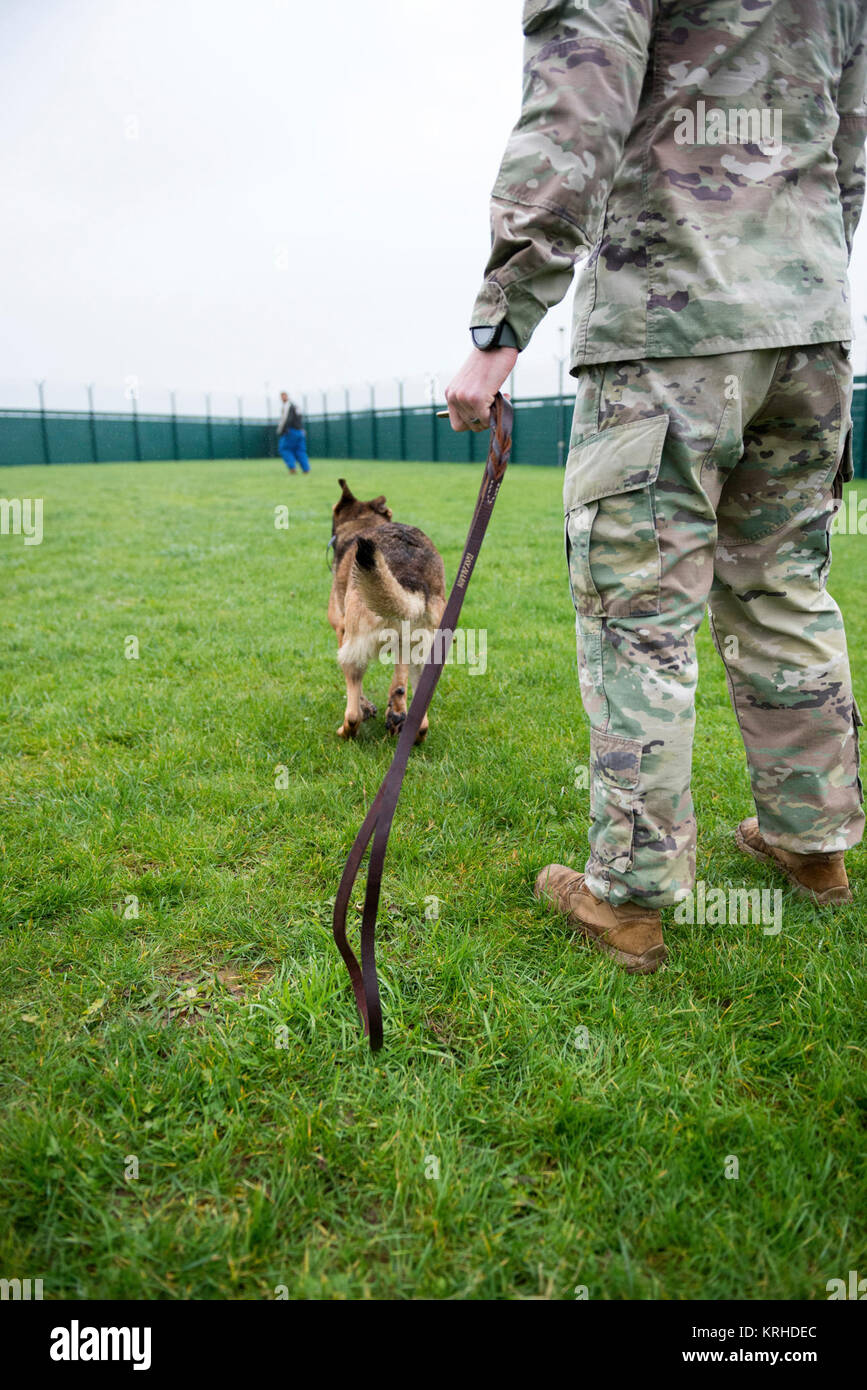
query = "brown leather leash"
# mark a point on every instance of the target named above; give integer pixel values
(377, 822)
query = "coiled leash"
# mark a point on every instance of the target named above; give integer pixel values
(377, 822)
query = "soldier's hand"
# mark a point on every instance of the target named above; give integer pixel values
(471, 393)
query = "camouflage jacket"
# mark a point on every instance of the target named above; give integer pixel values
(705, 156)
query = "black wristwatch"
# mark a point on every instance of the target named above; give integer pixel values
(501, 335)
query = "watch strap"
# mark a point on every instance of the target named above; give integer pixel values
(494, 336)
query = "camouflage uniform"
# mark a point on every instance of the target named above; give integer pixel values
(712, 428)
(710, 479)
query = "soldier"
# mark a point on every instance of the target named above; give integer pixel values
(708, 161)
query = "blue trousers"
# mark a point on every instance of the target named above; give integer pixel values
(293, 447)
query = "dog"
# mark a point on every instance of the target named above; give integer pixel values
(389, 583)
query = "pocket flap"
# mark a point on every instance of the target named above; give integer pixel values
(616, 760)
(621, 459)
(847, 465)
(537, 11)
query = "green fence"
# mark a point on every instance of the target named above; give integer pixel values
(33, 436)
(541, 432)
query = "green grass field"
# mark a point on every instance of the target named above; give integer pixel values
(211, 1040)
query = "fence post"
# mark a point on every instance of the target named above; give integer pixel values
(373, 439)
(325, 423)
(561, 412)
(133, 400)
(268, 417)
(243, 453)
(348, 418)
(210, 427)
(46, 452)
(401, 421)
(175, 449)
(269, 425)
(93, 446)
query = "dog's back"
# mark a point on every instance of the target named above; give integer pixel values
(398, 571)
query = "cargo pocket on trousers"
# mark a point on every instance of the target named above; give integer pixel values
(615, 764)
(836, 507)
(840, 355)
(612, 543)
(847, 462)
(857, 723)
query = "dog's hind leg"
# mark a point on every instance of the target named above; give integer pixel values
(396, 712)
(414, 674)
(415, 670)
(366, 707)
(356, 651)
(355, 702)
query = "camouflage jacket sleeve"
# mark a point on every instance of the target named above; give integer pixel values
(850, 137)
(584, 66)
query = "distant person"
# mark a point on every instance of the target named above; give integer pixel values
(291, 437)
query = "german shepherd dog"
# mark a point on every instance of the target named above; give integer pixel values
(389, 583)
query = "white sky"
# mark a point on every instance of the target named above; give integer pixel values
(211, 195)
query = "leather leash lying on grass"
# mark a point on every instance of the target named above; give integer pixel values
(377, 822)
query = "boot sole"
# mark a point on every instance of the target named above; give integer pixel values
(647, 964)
(632, 964)
(832, 897)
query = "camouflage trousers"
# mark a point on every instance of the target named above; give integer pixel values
(710, 482)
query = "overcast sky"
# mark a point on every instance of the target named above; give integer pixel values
(216, 194)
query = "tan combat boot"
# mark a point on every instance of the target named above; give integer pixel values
(631, 934)
(821, 877)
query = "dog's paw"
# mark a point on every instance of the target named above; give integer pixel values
(422, 734)
(395, 722)
(368, 708)
(346, 730)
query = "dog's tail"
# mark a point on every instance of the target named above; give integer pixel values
(381, 590)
